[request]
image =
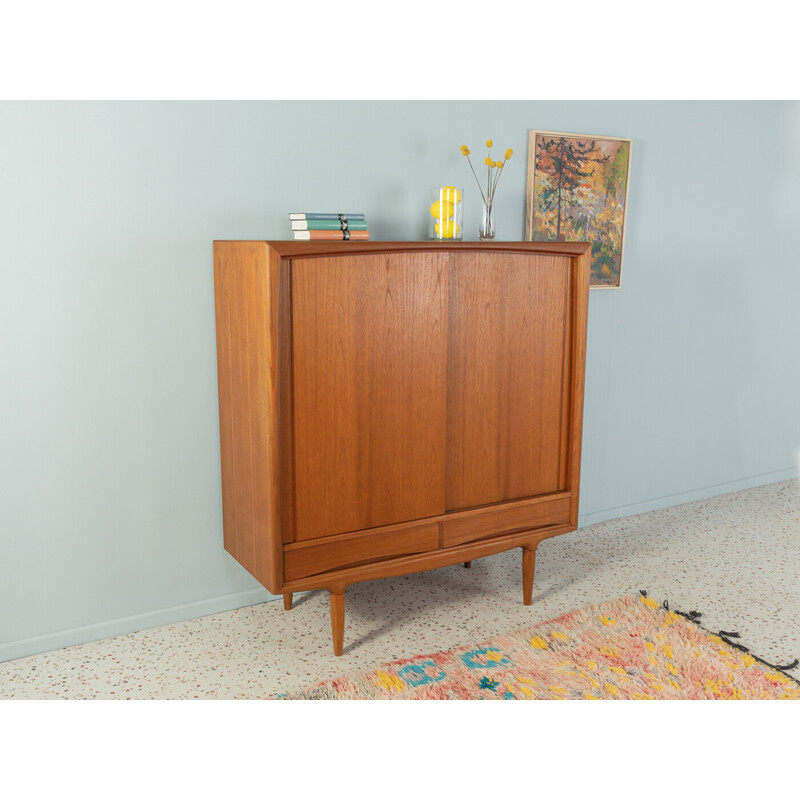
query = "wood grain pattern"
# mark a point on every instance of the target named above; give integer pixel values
(579, 315)
(402, 527)
(369, 339)
(528, 568)
(505, 392)
(340, 579)
(327, 555)
(521, 516)
(285, 393)
(337, 621)
(293, 249)
(246, 292)
(392, 407)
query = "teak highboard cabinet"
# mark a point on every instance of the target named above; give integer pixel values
(391, 407)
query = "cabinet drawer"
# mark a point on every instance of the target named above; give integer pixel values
(492, 522)
(349, 550)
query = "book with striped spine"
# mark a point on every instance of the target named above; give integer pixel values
(329, 225)
(340, 235)
(307, 215)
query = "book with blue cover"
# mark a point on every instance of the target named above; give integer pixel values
(307, 215)
(329, 224)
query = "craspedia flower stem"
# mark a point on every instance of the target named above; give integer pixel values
(483, 197)
(496, 180)
(493, 172)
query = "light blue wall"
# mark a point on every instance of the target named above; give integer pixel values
(110, 510)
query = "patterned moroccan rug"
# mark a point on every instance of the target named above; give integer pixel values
(632, 648)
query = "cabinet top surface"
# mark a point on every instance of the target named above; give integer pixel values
(293, 248)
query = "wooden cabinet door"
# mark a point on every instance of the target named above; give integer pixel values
(508, 377)
(369, 342)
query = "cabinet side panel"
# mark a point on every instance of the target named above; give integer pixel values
(580, 281)
(368, 349)
(246, 301)
(506, 401)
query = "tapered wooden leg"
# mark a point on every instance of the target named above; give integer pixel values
(287, 601)
(467, 564)
(337, 622)
(528, 567)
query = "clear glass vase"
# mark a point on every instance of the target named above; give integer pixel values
(486, 231)
(446, 210)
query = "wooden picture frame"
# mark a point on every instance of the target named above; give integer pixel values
(578, 191)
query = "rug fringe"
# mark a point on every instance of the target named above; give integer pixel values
(726, 637)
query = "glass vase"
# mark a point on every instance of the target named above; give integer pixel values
(486, 231)
(446, 210)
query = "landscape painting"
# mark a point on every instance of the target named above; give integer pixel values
(577, 192)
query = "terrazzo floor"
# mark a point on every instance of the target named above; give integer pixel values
(734, 557)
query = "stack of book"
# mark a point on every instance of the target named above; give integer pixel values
(346, 227)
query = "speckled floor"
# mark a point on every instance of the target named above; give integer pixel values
(735, 558)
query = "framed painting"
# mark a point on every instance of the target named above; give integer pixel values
(578, 191)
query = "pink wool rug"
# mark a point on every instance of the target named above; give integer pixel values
(629, 649)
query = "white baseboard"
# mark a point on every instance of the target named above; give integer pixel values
(216, 605)
(595, 517)
(138, 622)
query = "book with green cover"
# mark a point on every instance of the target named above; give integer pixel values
(329, 225)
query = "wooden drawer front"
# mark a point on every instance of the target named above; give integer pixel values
(520, 517)
(313, 559)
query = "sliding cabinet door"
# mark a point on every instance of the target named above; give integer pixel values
(369, 342)
(508, 377)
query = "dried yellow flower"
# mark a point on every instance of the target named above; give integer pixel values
(488, 161)
(508, 154)
(489, 142)
(464, 150)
